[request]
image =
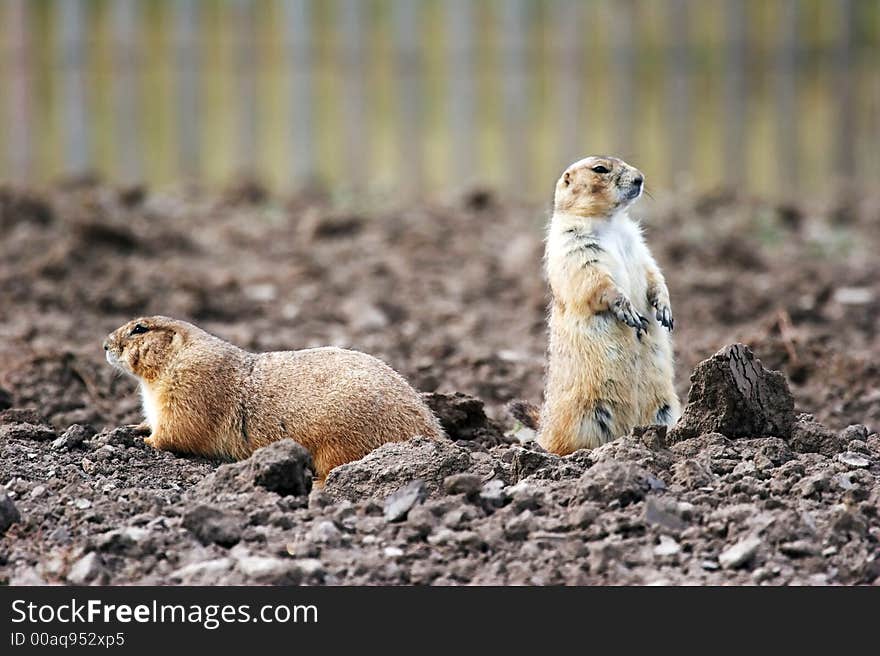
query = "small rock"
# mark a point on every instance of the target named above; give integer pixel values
(853, 459)
(9, 514)
(467, 484)
(799, 548)
(60, 535)
(584, 515)
(205, 572)
(492, 493)
(326, 532)
(667, 547)
(82, 504)
(74, 437)
(392, 552)
(529, 461)
(814, 484)
(518, 528)
(740, 553)
(653, 437)
(809, 436)
(211, 525)
(122, 436)
(284, 467)
(129, 539)
(691, 474)
(86, 569)
(267, 569)
(310, 567)
(854, 432)
(853, 295)
(661, 514)
(399, 503)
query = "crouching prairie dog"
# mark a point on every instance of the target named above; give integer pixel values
(204, 396)
(610, 360)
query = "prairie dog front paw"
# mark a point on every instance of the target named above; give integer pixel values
(624, 311)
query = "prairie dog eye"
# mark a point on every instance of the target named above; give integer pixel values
(600, 169)
(138, 329)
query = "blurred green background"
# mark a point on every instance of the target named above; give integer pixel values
(785, 101)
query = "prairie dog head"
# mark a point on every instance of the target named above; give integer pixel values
(143, 347)
(597, 186)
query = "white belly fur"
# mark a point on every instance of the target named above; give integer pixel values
(622, 239)
(150, 406)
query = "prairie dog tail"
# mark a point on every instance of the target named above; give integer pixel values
(528, 414)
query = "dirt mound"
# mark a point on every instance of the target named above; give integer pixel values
(733, 394)
(393, 465)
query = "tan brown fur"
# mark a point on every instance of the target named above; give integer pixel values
(205, 396)
(610, 362)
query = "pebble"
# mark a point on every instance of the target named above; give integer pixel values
(325, 531)
(9, 514)
(209, 569)
(853, 459)
(398, 504)
(667, 547)
(740, 553)
(467, 484)
(493, 493)
(86, 569)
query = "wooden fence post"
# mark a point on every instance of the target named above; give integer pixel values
(460, 17)
(622, 19)
(353, 60)
(515, 95)
(567, 25)
(19, 141)
(187, 61)
(678, 85)
(246, 72)
(127, 25)
(735, 91)
(787, 155)
(845, 114)
(406, 16)
(299, 62)
(71, 17)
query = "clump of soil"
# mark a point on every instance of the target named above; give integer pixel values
(748, 488)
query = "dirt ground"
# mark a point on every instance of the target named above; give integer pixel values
(452, 296)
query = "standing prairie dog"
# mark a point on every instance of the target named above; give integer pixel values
(610, 362)
(204, 396)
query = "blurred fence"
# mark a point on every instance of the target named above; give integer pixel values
(415, 96)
